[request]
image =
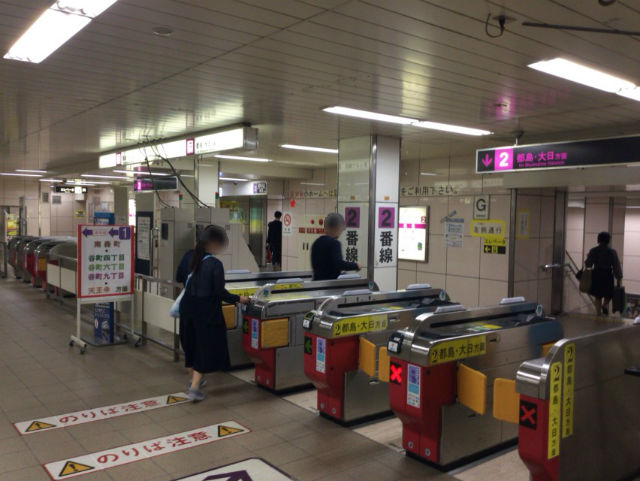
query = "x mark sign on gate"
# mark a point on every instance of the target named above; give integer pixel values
(528, 414)
(395, 373)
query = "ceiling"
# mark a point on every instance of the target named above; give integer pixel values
(276, 63)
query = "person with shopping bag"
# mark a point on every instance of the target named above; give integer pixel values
(606, 266)
(203, 333)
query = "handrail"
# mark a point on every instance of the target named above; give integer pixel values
(573, 266)
(166, 282)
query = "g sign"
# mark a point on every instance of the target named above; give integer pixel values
(481, 207)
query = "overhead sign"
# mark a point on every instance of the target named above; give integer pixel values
(559, 155)
(70, 189)
(109, 458)
(252, 469)
(98, 414)
(481, 207)
(413, 233)
(239, 138)
(105, 260)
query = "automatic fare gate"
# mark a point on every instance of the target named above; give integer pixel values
(345, 347)
(452, 381)
(579, 417)
(246, 283)
(272, 327)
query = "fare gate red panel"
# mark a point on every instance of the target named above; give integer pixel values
(533, 438)
(325, 363)
(264, 359)
(416, 394)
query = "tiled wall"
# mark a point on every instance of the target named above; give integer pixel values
(631, 257)
(77, 209)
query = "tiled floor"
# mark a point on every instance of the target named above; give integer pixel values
(41, 376)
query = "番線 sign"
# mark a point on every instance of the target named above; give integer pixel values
(559, 155)
(105, 260)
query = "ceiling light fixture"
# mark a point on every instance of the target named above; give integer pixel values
(323, 150)
(428, 173)
(51, 180)
(241, 157)
(28, 171)
(14, 174)
(100, 176)
(575, 72)
(140, 172)
(93, 182)
(395, 119)
(55, 27)
(310, 183)
(232, 179)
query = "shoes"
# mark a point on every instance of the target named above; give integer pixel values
(203, 383)
(195, 395)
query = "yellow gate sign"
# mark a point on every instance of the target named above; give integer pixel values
(352, 326)
(456, 349)
(567, 391)
(555, 410)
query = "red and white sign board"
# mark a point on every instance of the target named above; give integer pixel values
(110, 458)
(252, 469)
(287, 228)
(105, 260)
(98, 414)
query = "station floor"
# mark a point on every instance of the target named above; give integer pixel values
(40, 376)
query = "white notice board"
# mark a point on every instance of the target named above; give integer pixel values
(413, 233)
(105, 260)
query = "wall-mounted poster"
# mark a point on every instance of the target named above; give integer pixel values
(413, 233)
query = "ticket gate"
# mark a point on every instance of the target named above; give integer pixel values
(16, 253)
(246, 283)
(452, 378)
(578, 414)
(272, 328)
(345, 347)
(38, 267)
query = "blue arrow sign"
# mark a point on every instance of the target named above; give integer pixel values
(87, 232)
(113, 232)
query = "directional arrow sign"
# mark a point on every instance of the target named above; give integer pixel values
(113, 232)
(252, 469)
(87, 232)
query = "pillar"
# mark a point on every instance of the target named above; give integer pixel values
(368, 191)
(207, 174)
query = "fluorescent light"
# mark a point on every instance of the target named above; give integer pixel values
(28, 171)
(456, 129)
(54, 28)
(100, 176)
(575, 72)
(20, 175)
(428, 173)
(365, 114)
(395, 119)
(241, 157)
(51, 180)
(140, 172)
(310, 183)
(309, 148)
(633, 93)
(93, 182)
(233, 179)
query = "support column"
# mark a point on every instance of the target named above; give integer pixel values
(207, 175)
(368, 191)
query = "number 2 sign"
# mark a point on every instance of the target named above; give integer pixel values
(386, 217)
(504, 159)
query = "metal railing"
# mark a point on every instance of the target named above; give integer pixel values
(573, 269)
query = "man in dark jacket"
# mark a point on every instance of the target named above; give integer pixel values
(274, 239)
(326, 251)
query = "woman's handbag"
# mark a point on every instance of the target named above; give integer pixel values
(584, 276)
(619, 301)
(174, 311)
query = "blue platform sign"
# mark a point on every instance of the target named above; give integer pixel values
(103, 325)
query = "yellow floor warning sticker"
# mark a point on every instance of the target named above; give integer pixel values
(98, 414)
(555, 410)
(456, 349)
(109, 458)
(568, 388)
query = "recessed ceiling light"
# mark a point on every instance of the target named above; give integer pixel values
(323, 150)
(428, 173)
(310, 183)
(241, 157)
(162, 31)
(233, 179)
(55, 27)
(14, 174)
(575, 72)
(51, 180)
(29, 171)
(100, 176)
(141, 172)
(395, 119)
(365, 114)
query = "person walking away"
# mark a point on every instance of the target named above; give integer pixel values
(274, 239)
(606, 266)
(203, 332)
(326, 251)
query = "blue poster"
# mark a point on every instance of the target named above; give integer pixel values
(103, 324)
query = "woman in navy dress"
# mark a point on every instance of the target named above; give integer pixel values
(204, 333)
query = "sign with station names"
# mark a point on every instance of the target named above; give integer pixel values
(105, 260)
(559, 155)
(110, 458)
